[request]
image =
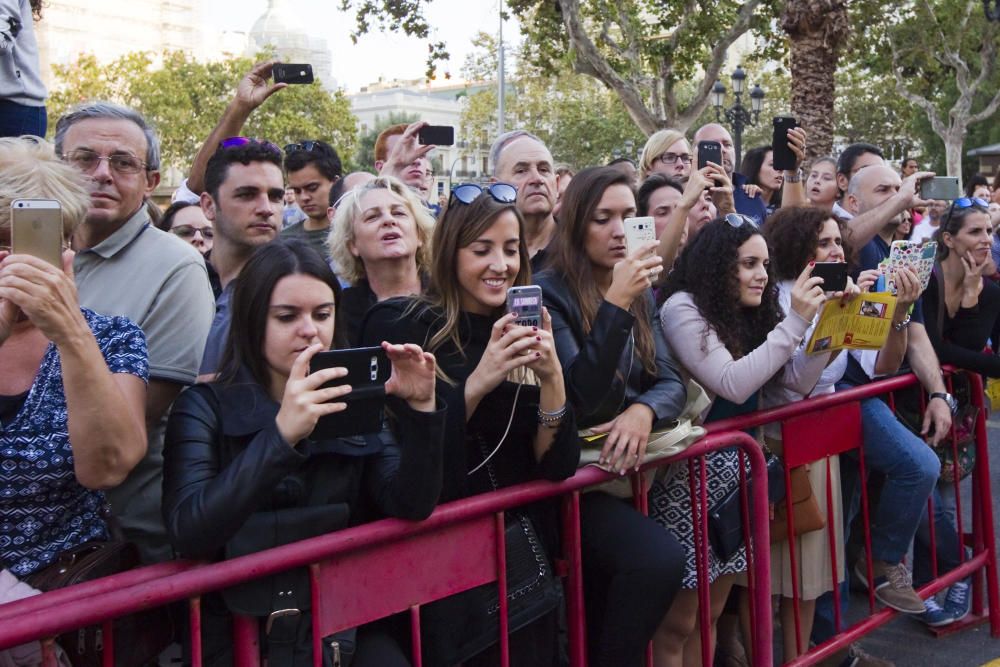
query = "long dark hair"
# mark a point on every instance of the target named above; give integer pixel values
(750, 167)
(570, 261)
(708, 270)
(459, 226)
(251, 301)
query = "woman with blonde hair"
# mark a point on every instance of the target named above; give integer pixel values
(666, 152)
(380, 242)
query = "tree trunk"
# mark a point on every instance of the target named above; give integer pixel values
(817, 29)
(953, 141)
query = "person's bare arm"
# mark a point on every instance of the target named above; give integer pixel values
(159, 396)
(405, 151)
(864, 227)
(670, 239)
(794, 194)
(251, 92)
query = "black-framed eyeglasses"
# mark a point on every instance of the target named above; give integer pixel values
(87, 160)
(233, 142)
(308, 146)
(671, 158)
(505, 193)
(737, 220)
(188, 231)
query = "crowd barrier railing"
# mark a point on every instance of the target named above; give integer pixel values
(379, 569)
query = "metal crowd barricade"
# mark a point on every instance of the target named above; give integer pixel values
(829, 425)
(375, 570)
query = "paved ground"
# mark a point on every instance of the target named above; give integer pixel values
(908, 644)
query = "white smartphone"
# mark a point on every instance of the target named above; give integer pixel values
(36, 229)
(638, 231)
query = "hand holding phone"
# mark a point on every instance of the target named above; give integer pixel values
(834, 275)
(363, 372)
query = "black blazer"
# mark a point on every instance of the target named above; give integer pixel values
(595, 365)
(224, 460)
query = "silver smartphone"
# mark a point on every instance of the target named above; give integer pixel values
(36, 229)
(526, 301)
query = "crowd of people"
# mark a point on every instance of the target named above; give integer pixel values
(158, 386)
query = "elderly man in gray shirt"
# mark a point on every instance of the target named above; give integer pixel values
(126, 266)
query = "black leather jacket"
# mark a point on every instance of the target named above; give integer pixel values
(595, 365)
(224, 461)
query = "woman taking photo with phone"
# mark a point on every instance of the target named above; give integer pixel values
(508, 420)
(722, 319)
(622, 383)
(239, 459)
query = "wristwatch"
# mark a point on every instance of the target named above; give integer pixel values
(796, 176)
(947, 398)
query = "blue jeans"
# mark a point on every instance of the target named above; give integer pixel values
(947, 543)
(911, 470)
(19, 119)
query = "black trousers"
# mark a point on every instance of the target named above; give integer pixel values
(632, 569)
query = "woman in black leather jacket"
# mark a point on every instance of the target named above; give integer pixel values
(241, 473)
(508, 421)
(622, 382)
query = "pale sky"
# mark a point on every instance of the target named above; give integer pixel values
(379, 54)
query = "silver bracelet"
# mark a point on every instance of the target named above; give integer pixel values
(551, 418)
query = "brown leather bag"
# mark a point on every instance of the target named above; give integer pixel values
(139, 638)
(805, 508)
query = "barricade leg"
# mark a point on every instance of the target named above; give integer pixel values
(575, 618)
(194, 617)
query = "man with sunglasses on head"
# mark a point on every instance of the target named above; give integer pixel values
(312, 167)
(126, 266)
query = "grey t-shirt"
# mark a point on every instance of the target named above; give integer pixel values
(316, 238)
(160, 283)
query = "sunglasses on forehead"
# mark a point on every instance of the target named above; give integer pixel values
(505, 193)
(963, 203)
(737, 220)
(233, 142)
(307, 146)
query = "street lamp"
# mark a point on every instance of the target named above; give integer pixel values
(738, 116)
(992, 13)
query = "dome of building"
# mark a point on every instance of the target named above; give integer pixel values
(279, 29)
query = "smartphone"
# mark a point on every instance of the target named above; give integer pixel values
(368, 370)
(944, 188)
(439, 135)
(709, 151)
(784, 158)
(440, 189)
(526, 301)
(834, 275)
(637, 232)
(292, 73)
(36, 229)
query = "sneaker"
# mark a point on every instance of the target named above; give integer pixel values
(934, 615)
(893, 586)
(958, 601)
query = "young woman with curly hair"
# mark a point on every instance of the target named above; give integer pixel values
(723, 321)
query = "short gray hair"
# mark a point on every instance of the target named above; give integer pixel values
(506, 139)
(89, 110)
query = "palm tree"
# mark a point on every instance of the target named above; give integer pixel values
(817, 30)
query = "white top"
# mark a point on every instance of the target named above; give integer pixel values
(923, 230)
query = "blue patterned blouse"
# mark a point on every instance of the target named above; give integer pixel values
(43, 510)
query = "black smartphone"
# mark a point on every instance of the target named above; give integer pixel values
(709, 151)
(439, 135)
(834, 275)
(943, 188)
(784, 158)
(292, 73)
(368, 370)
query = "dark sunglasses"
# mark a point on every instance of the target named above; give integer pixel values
(505, 193)
(233, 142)
(737, 220)
(308, 146)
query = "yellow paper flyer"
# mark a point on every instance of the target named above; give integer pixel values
(860, 324)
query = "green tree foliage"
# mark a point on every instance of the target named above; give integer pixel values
(184, 99)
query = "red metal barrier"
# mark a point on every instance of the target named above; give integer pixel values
(342, 562)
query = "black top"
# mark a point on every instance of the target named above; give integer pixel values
(602, 369)
(960, 340)
(10, 406)
(354, 304)
(468, 443)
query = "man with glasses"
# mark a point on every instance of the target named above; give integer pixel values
(312, 167)
(125, 266)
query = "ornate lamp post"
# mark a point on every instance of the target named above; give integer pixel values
(738, 116)
(992, 12)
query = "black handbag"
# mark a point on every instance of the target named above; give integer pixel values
(725, 517)
(284, 599)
